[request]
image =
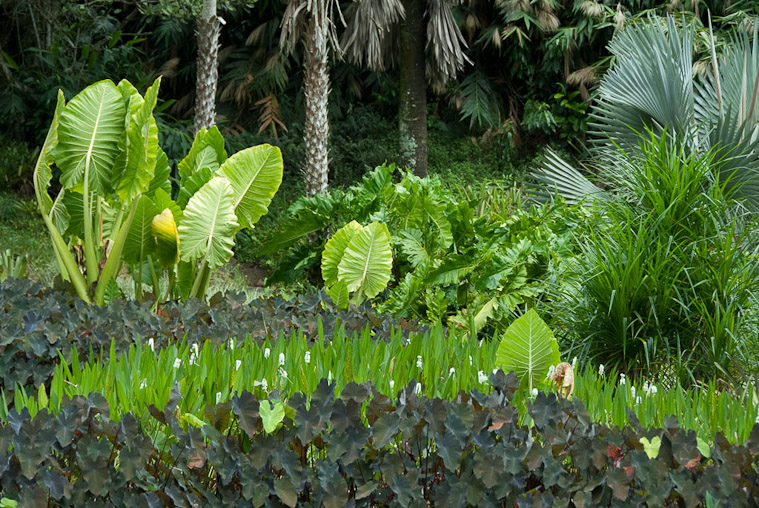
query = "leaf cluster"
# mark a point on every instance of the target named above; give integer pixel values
(37, 324)
(468, 258)
(408, 451)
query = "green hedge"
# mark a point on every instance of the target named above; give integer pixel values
(413, 452)
(38, 323)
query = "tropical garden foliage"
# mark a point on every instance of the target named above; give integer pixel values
(420, 302)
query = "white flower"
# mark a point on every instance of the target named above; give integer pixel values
(151, 344)
(470, 360)
(329, 376)
(195, 349)
(534, 392)
(419, 363)
(392, 385)
(283, 372)
(652, 390)
(267, 352)
(218, 397)
(193, 359)
(307, 357)
(481, 377)
(143, 384)
(622, 379)
(281, 359)
(231, 343)
(418, 389)
(237, 364)
(601, 370)
(551, 371)
(451, 371)
(645, 387)
(638, 400)
(177, 363)
(495, 371)
(263, 384)
(574, 363)
(632, 390)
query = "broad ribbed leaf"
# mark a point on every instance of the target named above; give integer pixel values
(411, 244)
(42, 172)
(194, 182)
(528, 348)
(199, 157)
(136, 164)
(89, 130)
(339, 294)
(367, 260)
(334, 251)
(164, 229)
(255, 175)
(162, 200)
(208, 227)
(139, 242)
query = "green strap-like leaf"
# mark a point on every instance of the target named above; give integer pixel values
(367, 261)
(528, 348)
(335, 249)
(209, 224)
(255, 174)
(89, 130)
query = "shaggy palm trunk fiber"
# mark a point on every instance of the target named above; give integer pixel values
(316, 90)
(207, 71)
(412, 118)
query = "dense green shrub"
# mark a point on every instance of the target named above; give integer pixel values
(469, 452)
(37, 324)
(664, 281)
(467, 257)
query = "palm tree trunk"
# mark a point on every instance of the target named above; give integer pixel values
(412, 118)
(207, 66)
(316, 90)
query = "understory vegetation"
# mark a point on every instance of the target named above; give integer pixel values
(527, 277)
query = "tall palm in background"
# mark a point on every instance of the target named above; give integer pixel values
(209, 28)
(311, 22)
(422, 39)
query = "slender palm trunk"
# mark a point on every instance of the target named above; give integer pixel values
(412, 118)
(316, 90)
(207, 66)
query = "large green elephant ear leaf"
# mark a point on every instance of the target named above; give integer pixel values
(139, 241)
(207, 230)
(529, 348)
(89, 130)
(42, 172)
(334, 251)
(207, 151)
(136, 164)
(255, 174)
(367, 261)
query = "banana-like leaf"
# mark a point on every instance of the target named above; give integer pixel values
(199, 157)
(255, 175)
(528, 348)
(164, 229)
(139, 242)
(334, 251)
(368, 260)
(207, 230)
(89, 130)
